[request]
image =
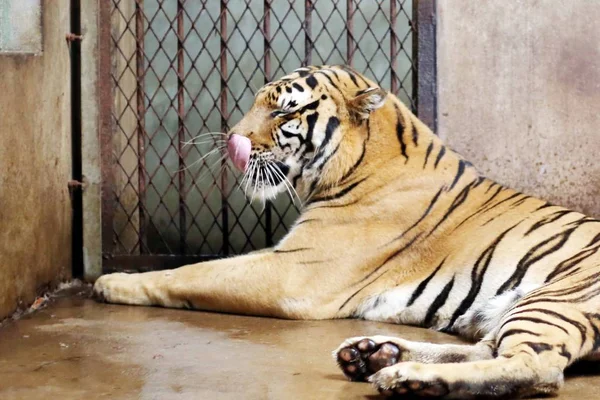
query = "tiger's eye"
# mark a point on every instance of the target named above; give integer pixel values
(278, 113)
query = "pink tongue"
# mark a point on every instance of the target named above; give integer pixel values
(239, 148)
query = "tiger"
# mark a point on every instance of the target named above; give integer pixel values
(396, 227)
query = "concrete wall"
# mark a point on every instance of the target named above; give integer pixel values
(519, 93)
(35, 165)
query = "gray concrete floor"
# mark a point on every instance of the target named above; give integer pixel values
(78, 349)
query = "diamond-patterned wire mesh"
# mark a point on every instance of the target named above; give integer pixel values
(182, 69)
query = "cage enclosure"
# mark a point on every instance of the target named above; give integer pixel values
(180, 69)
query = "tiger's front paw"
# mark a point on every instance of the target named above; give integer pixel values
(409, 378)
(121, 288)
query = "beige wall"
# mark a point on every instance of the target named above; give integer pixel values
(35, 165)
(519, 93)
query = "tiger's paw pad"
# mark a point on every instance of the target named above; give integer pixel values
(396, 381)
(365, 357)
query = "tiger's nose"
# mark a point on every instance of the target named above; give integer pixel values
(238, 148)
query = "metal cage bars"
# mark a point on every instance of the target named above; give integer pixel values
(128, 42)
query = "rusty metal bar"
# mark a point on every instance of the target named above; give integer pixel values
(105, 102)
(141, 114)
(308, 6)
(224, 118)
(393, 44)
(349, 32)
(267, 39)
(268, 77)
(424, 54)
(180, 125)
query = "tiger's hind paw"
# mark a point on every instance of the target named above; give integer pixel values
(359, 358)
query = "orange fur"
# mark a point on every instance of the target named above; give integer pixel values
(410, 234)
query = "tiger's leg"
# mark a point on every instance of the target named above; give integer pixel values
(360, 357)
(536, 341)
(263, 283)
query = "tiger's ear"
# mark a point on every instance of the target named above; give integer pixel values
(365, 102)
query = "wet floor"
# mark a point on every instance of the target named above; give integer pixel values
(79, 349)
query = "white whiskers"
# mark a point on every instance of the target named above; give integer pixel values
(202, 135)
(217, 149)
(220, 141)
(261, 175)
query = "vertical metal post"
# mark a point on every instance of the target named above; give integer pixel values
(105, 104)
(180, 125)
(424, 56)
(267, 62)
(393, 44)
(349, 32)
(267, 39)
(224, 118)
(141, 115)
(308, 6)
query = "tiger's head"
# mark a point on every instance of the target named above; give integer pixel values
(304, 131)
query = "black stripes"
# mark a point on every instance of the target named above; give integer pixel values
(538, 347)
(358, 162)
(400, 250)
(415, 133)
(400, 132)
(548, 220)
(535, 321)
(459, 173)
(311, 81)
(352, 75)
(458, 200)
(438, 303)
(477, 274)
(509, 198)
(557, 295)
(576, 324)
(311, 120)
(595, 239)
(483, 208)
(392, 256)
(432, 203)
(289, 135)
(339, 194)
(439, 156)
(283, 168)
(360, 290)
(571, 262)
(512, 332)
(538, 252)
(332, 124)
(310, 106)
(592, 319)
(427, 154)
(493, 196)
(333, 84)
(363, 91)
(419, 290)
(355, 76)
